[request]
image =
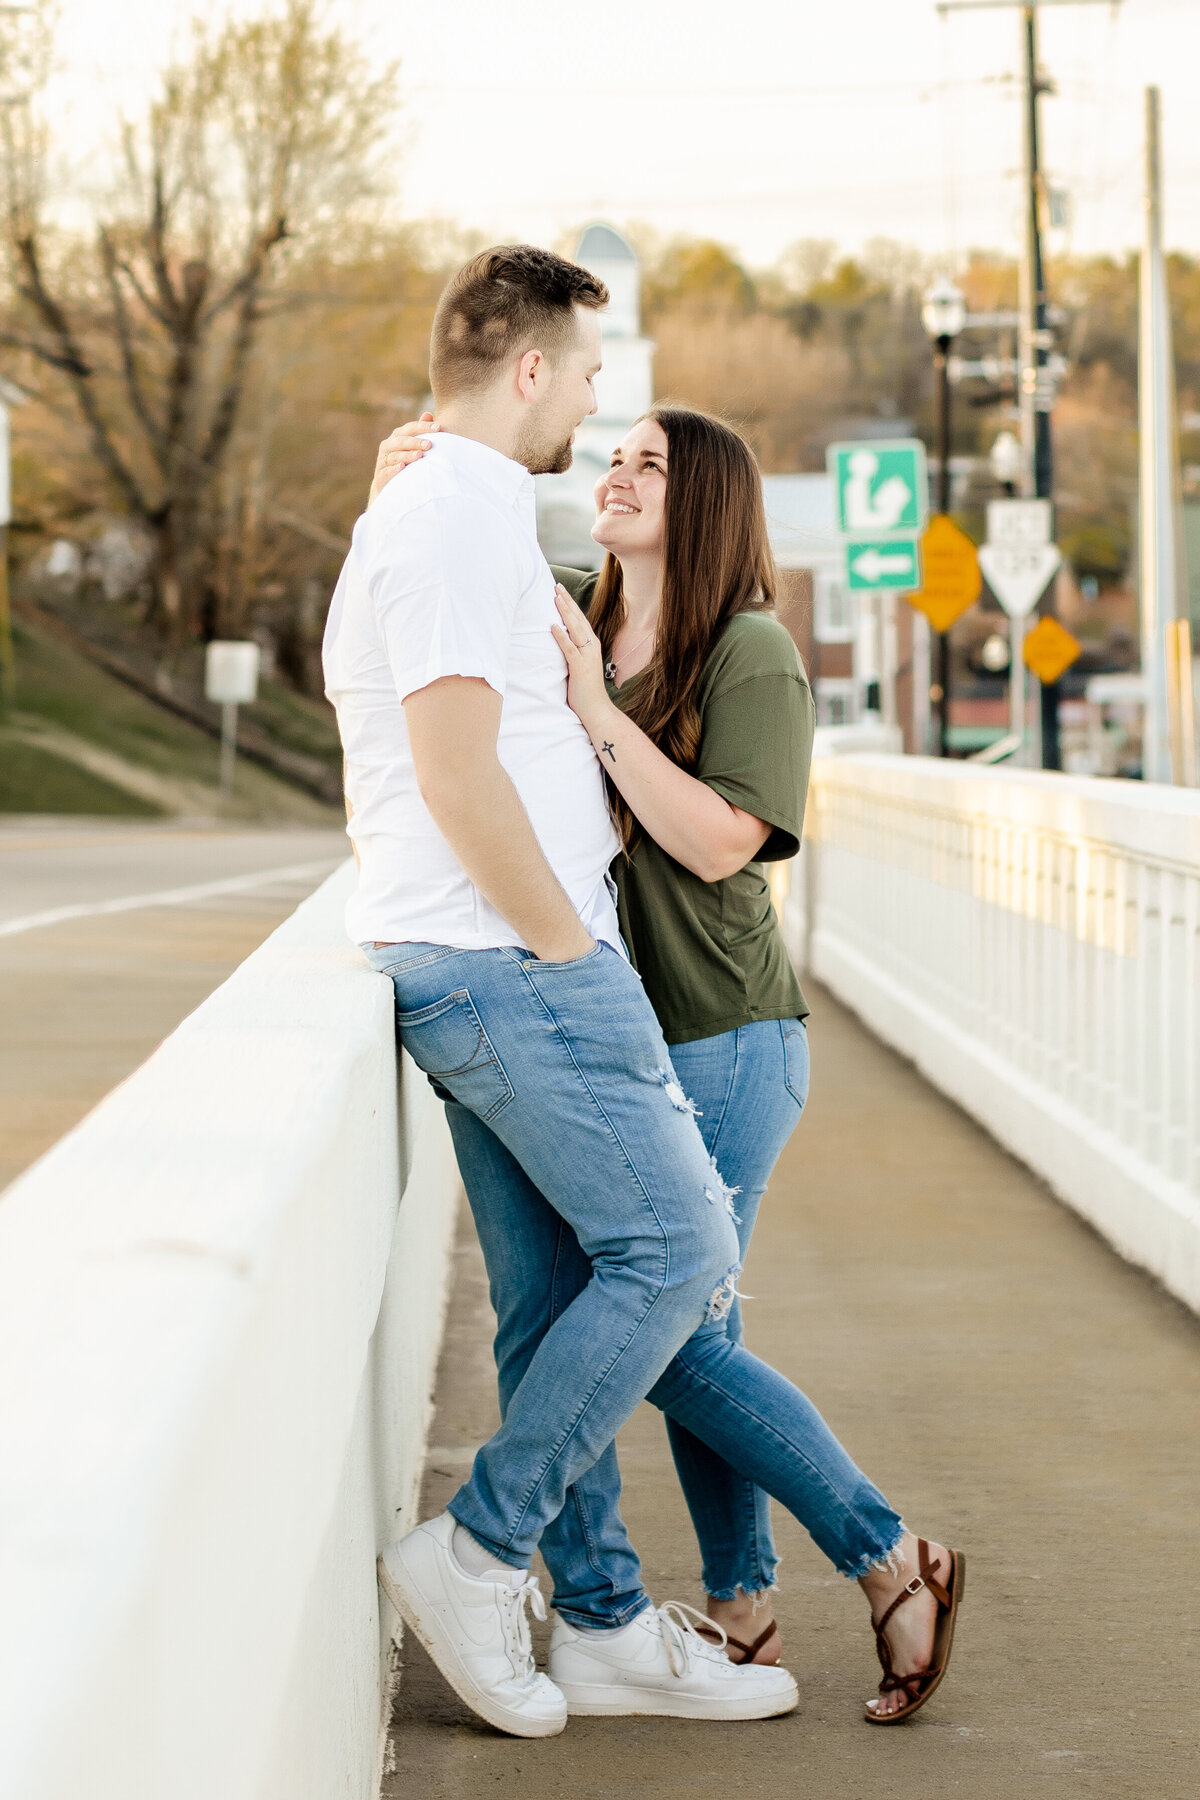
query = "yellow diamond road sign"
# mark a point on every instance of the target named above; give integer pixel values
(1050, 650)
(950, 581)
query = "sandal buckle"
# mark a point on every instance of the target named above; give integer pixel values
(915, 1585)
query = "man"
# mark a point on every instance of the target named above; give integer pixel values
(478, 815)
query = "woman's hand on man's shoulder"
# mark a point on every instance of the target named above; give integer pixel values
(407, 444)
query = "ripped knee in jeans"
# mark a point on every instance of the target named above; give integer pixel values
(719, 1189)
(723, 1296)
(673, 1090)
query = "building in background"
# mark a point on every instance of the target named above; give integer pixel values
(814, 602)
(624, 391)
(843, 638)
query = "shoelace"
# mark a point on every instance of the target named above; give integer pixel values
(682, 1641)
(517, 1640)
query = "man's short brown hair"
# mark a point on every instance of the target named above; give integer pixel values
(504, 302)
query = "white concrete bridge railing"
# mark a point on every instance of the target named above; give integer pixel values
(219, 1323)
(1032, 942)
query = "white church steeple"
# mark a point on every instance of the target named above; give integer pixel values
(624, 391)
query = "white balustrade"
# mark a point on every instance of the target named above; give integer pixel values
(220, 1308)
(1032, 942)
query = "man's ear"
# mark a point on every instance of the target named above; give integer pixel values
(531, 372)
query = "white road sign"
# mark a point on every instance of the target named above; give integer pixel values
(231, 672)
(1017, 574)
(1018, 523)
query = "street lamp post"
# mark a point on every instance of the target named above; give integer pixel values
(943, 315)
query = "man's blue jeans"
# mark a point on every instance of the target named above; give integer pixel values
(741, 1414)
(566, 1066)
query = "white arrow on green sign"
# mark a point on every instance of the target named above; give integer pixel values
(883, 563)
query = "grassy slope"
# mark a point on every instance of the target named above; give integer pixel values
(280, 716)
(33, 780)
(58, 685)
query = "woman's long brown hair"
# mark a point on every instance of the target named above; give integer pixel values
(717, 562)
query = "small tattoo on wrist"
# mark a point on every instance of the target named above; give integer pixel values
(607, 750)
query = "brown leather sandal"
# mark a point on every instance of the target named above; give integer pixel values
(748, 1651)
(923, 1683)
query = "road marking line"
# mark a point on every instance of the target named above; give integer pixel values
(235, 884)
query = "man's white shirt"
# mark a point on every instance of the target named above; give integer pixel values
(445, 577)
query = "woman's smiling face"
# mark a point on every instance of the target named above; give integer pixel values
(631, 497)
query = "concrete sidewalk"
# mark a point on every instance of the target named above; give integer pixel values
(1016, 1391)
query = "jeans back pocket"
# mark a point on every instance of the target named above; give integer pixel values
(447, 1040)
(795, 1060)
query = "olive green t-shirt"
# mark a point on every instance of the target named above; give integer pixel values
(710, 953)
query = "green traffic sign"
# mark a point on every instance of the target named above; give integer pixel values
(881, 486)
(873, 563)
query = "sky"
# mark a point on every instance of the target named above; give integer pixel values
(755, 122)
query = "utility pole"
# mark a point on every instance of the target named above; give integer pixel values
(1037, 379)
(1036, 391)
(1158, 478)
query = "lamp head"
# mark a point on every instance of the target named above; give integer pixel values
(944, 312)
(995, 654)
(1004, 458)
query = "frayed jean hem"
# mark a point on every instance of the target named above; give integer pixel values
(749, 1590)
(878, 1559)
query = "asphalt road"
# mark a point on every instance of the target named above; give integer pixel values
(97, 967)
(1014, 1388)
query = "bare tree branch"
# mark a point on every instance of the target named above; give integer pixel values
(156, 245)
(133, 381)
(250, 276)
(55, 359)
(225, 412)
(53, 316)
(135, 281)
(184, 348)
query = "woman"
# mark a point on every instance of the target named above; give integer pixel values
(698, 708)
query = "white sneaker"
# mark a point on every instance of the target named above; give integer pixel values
(660, 1664)
(475, 1629)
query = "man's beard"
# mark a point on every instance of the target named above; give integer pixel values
(539, 457)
